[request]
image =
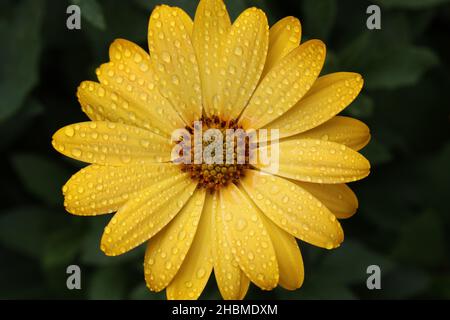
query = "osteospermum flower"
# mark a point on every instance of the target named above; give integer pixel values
(197, 218)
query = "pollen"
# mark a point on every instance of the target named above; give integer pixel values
(214, 176)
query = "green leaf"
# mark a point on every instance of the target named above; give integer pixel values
(20, 54)
(41, 176)
(20, 278)
(235, 8)
(91, 253)
(332, 63)
(421, 241)
(107, 284)
(441, 286)
(23, 229)
(131, 23)
(435, 179)
(313, 289)
(11, 128)
(61, 247)
(399, 67)
(411, 4)
(349, 263)
(141, 292)
(406, 282)
(361, 108)
(355, 53)
(377, 153)
(318, 17)
(92, 12)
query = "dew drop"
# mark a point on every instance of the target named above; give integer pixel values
(166, 57)
(182, 235)
(125, 159)
(69, 132)
(201, 273)
(238, 51)
(241, 224)
(137, 58)
(76, 152)
(143, 67)
(101, 92)
(175, 80)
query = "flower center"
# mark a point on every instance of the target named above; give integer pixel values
(219, 156)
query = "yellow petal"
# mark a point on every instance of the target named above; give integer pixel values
(328, 96)
(167, 250)
(338, 198)
(111, 143)
(284, 37)
(293, 209)
(226, 269)
(243, 59)
(316, 161)
(174, 61)
(130, 75)
(248, 238)
(146, 214)
(244, 286)
(284, 85)
(211, 26)
(344, 130)
(194, 273)
(289, 258)
(101, 104)
(103, 189)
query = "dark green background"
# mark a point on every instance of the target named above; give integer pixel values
(403, 218)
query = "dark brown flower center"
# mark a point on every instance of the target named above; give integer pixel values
(213, 176)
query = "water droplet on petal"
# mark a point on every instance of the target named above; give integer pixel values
(241, 224)
(166, 57)
(182, 235)
(125, 159)
(76, 152)
(201, 273)
(69, 132)
(238, 51)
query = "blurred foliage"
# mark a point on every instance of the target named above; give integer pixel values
(403, 221)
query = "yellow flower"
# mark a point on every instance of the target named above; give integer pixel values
(232, 219)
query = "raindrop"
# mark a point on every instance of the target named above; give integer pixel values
(241, 224)
(182, 235)
(166, 57)
(125, 159)
(69, 131)
(201, 273)
(238, 51)
(137, 58)
(175, 80)
(76, 152)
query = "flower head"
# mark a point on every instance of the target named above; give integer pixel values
(239, 219)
